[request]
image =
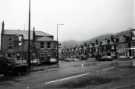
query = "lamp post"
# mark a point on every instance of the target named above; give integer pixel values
(29, 27)
(58, 40)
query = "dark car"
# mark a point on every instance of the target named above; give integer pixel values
(6, 66)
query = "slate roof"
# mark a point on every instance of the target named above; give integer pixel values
(25, 33)
(45, 39)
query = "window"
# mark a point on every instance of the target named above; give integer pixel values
(41, 44)
(20, 40)
(20, 44)
(10, 45)
(10, 39)
(48, 45)
(9, 55)
(42, 54)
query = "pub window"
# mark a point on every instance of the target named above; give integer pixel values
(9, 55)
(10, 39)
(10, 46)
(41, 44)
(20, 38)
(48, 45)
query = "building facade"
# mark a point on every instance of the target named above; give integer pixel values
(14, 44)
(116, 45)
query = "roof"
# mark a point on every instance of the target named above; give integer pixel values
(25, 33)
(45, 39)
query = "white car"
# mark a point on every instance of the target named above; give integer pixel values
(53, 60)
(35, 61)
(123, 58)
(106, 58)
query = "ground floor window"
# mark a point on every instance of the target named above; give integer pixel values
(9, 55)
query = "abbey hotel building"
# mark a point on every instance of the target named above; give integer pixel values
(14, 44)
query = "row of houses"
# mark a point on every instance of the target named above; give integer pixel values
(14, 44)
(118, 44)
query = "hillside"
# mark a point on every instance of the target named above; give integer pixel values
(70, 43)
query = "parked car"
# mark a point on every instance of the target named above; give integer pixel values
(68, 59)
(123, 58)
(106, 58)
(53, 60)
(35, 61)
(6, 65)
(12, 66)
(83, 57)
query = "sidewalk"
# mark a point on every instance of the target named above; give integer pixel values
(43, 67)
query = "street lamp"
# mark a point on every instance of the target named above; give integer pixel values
(58, 40)
(29, 27)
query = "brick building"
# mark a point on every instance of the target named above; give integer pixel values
(14, 44)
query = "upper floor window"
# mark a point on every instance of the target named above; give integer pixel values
(48, 45)
(9, 55)
(10, 46)
(41, 44)
(20, 38)
(10, 39)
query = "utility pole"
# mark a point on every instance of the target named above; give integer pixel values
(58, 40)
(29, 27)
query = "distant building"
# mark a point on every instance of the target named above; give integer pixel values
(116, 45)
(126, 45)
(14, 44)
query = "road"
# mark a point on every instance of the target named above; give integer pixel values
(40, 79)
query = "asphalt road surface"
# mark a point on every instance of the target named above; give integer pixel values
(41, 78)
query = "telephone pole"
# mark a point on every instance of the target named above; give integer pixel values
(29, 27)
(58, 40)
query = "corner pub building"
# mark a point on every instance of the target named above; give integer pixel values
(14, 44)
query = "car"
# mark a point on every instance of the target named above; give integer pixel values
(131, 57)
(35, 61)
(53, 60)
(83, 57)
(68, 59)
(106, 58)
(123, 58)
(6, 65)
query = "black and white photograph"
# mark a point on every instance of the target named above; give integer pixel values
(67, 44)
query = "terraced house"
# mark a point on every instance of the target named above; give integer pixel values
(14, 44)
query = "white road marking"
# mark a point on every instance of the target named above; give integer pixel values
(75, 76)
(67, 78)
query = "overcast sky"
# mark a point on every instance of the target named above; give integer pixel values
(82, 19)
